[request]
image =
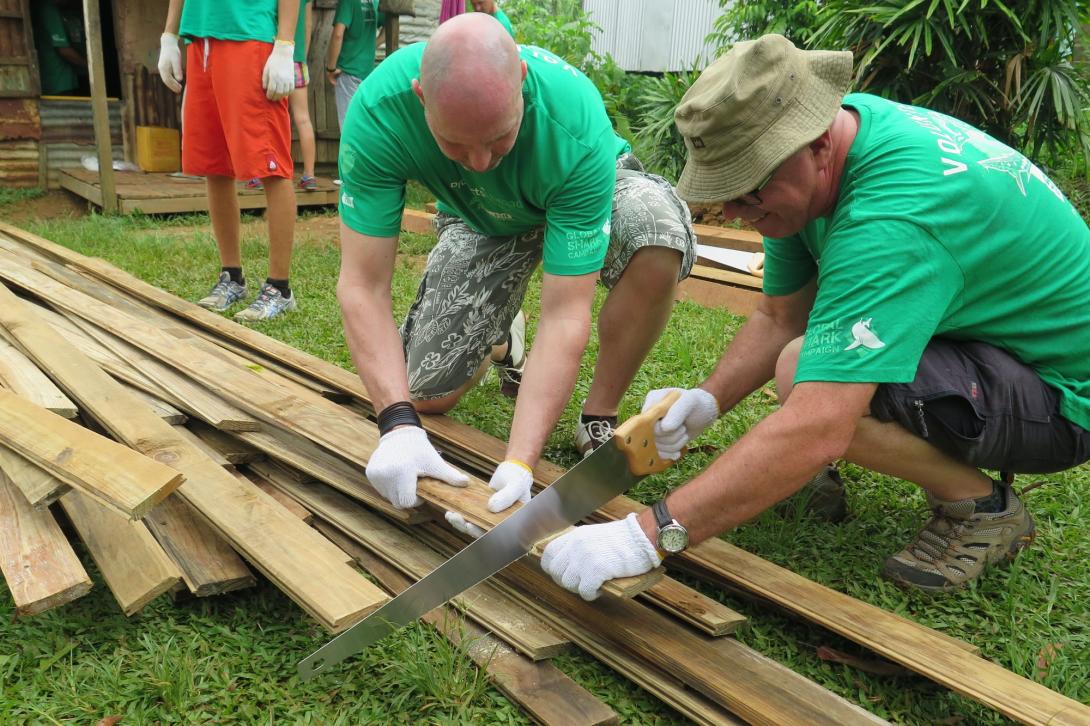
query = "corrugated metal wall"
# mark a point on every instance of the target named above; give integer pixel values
(68, 133)
(654, 35)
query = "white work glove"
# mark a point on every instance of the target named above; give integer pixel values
(512, 481)
(586, 557)
(693, 412)
(458, 522)
(278, 78)
(403, 456)
(170, 62)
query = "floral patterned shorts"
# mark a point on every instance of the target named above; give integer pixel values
(474, 284)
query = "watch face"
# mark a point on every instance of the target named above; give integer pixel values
(673, 538)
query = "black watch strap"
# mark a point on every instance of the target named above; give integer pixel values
(662, 514)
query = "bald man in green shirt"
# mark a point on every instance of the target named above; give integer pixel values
(521, 155)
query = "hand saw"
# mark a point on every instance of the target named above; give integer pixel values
(611, 470)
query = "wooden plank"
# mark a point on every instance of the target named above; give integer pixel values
(208, 564)
(736, 239)
(297, 559)
(97, 77)
(201, 445)
(727, 277)
(739, 301)
(133, 564)
(192, 397)
(38, 486)
(113, 474)
(162, 409)
(38, 563)
(233, 450)
(755, 687)
(21, 376)
(403, 551)
(299, 453)
(542, 690)
(279, 495)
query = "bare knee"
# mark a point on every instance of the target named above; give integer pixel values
(653, 270)
(785, 368)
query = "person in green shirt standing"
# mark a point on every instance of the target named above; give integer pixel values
(351, 55)
(235, 126)
(518, 149)
(924, 316)
(490, 7)
(58, 61)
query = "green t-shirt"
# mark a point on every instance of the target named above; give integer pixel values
(229, 19)
(58, 75)
(504, 21)
(301, 34)
(361, 20)
(560, 173)
(940, 230)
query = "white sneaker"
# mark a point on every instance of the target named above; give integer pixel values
(225, 293)
(509, 370)
(592, 434)
(269, 304)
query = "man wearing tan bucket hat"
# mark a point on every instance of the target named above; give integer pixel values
(924, 316)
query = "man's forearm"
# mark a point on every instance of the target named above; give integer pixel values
(546, 386)
(334, 52)
(287, 17)
(174, 16)
(771, 462)
(375, 344)
(750, 360)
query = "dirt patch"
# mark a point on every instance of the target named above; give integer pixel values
(54, 204)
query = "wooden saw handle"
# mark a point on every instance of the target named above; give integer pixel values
(636, 438)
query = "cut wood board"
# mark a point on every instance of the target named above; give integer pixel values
(38, 486)
(19, 375)
(541, 689)
(114, 474)
(39, 565)
(208, 564)
(233, 450)
(133, 564)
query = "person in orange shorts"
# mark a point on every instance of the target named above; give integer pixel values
(235, 126)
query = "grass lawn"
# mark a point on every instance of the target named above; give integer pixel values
(231, 659)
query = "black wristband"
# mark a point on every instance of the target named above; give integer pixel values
(330, 70)
(397, 414)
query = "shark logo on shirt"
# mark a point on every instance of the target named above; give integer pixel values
(864, 337)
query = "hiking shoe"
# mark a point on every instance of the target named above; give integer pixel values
(509, 370)
(823, 497)
(308, 184)
(959, 543)
(225, 293)
(591, 434)
(268, 304)
(255, 183)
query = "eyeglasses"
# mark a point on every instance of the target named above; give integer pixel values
(753, 198)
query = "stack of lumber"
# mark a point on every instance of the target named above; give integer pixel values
(272, 449)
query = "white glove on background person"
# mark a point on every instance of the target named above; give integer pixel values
(278, 78)
(512, 481)
(170, 62)
(586, 557)
(693, 412)
(403, 456)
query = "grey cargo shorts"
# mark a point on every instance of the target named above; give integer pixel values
(986, 408)
(474, 284)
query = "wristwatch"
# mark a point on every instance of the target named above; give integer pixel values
(673, 537)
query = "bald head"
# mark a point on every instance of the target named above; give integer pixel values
(471, 87)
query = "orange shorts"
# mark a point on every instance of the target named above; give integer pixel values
(229, 127)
